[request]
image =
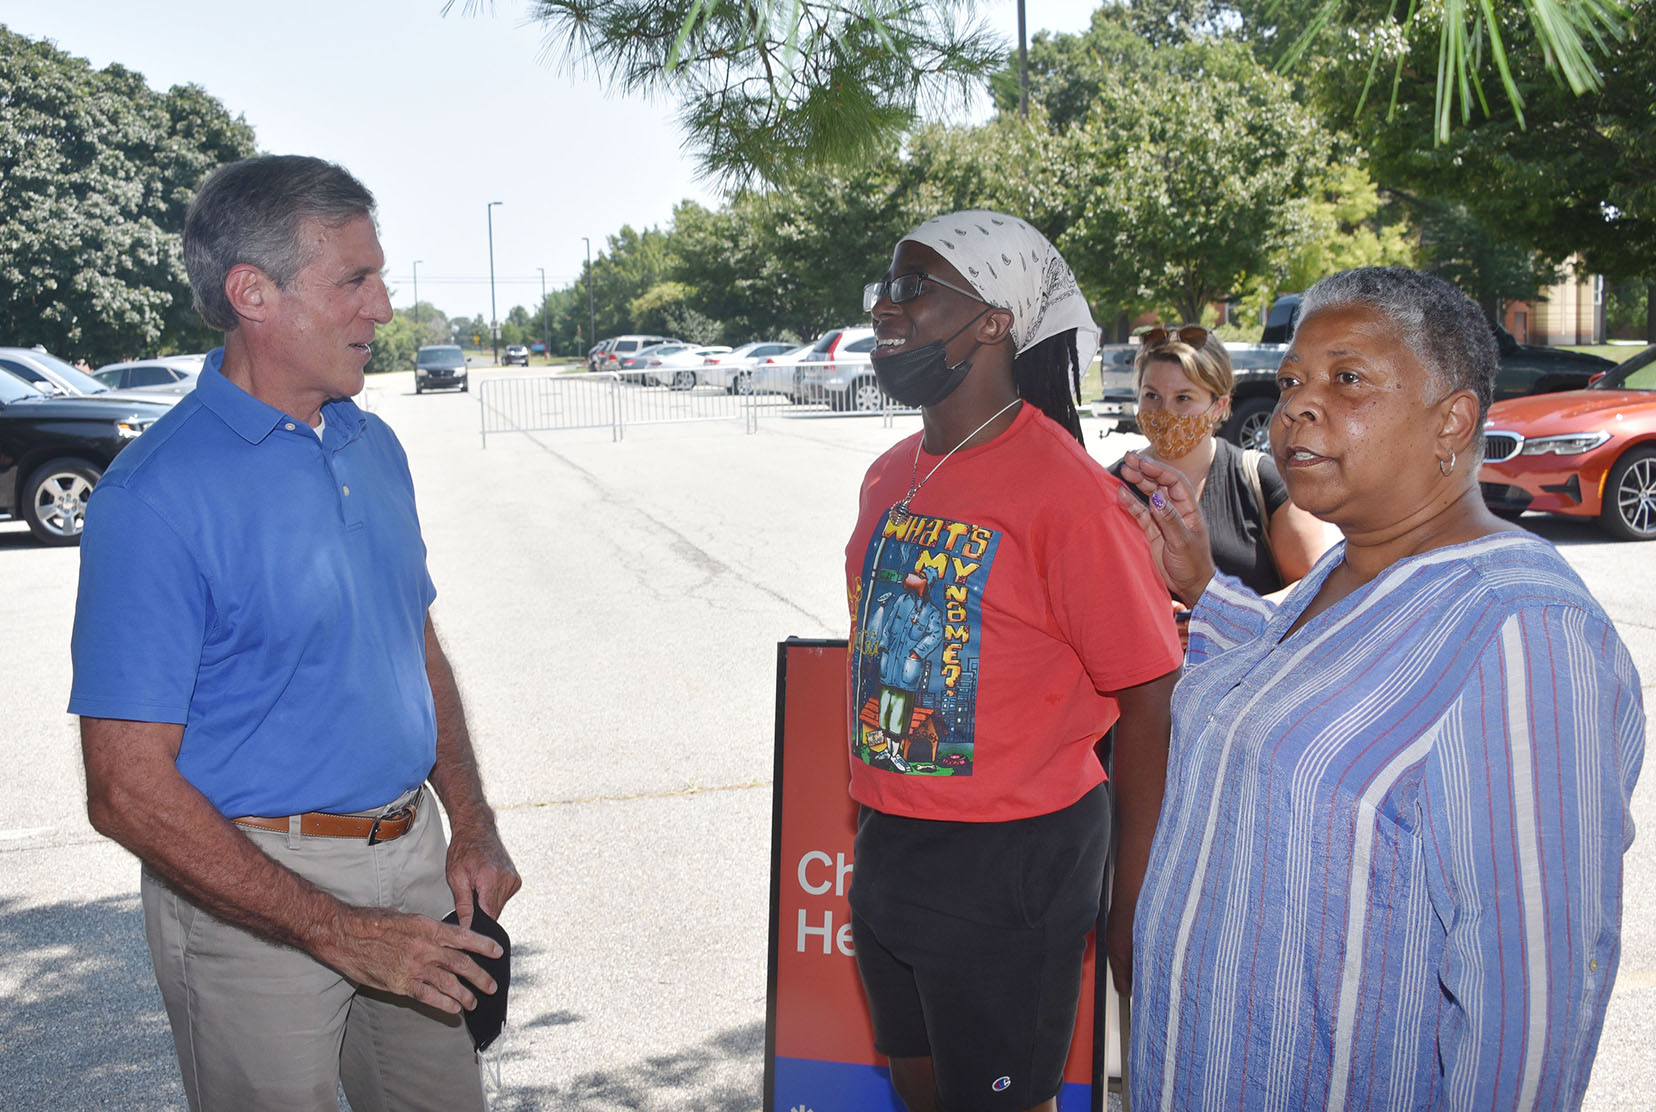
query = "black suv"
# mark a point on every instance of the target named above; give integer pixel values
(54, 449)
(439, 365)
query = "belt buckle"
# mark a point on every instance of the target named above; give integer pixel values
(373, 831)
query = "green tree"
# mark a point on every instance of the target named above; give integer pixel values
(1345, 224)
(1578, 178)
(779, 89)
(1189, 181)
(96, 171)
(633, 262)
(1491, 268)
(1467, 59)
(396, 343)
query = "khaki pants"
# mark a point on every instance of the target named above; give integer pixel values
(260, 1026)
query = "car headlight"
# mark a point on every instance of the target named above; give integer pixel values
(131, 427)
(1571, 444)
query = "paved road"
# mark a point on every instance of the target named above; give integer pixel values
(613, 612)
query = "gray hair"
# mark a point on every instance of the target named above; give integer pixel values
(1442, 327)
(253, 212)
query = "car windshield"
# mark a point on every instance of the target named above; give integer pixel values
(13, 389)
(441, 357)
(77, 379)
(1638, 373)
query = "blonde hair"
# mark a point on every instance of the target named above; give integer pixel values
(1208, 366)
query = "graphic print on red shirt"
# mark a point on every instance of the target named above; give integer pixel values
(915, 664)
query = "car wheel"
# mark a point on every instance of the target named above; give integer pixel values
(1629, 509)
(866, 397)
(465, 387)
(418, 389)
(54, 500)
(684, 380)
(743, 383)
(1250, 424)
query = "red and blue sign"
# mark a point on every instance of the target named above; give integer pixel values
(819, 1045)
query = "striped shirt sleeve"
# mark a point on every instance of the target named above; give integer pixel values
(1227, 615)
(1525, 819)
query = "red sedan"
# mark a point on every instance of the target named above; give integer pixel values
(1583, 453)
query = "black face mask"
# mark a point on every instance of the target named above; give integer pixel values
(922, 376)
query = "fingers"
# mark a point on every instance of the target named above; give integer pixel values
(496, 887)
(463, 901)
(491, 885)
(412, 955)
(481, 868)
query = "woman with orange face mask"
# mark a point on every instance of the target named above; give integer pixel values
(1184, 381)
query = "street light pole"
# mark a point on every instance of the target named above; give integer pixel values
(1023, 65)
(494, 321)
(592, 316)
(546, 327)
(417, 263)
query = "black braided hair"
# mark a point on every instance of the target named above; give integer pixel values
(1048, 375)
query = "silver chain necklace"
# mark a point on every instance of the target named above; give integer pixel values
(900, 512)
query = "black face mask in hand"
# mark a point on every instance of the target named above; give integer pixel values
(922, 376)
(485, 1021)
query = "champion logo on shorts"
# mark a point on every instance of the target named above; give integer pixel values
(1001, 1084)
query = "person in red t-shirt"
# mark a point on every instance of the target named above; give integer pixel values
(1001, 623)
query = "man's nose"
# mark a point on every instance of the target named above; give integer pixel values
(378, 307)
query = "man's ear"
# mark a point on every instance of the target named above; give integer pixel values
(995, 326)
(250, 291)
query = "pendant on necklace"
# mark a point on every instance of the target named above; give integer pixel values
(900, 513)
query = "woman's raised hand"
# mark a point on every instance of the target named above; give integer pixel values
(1172, 523)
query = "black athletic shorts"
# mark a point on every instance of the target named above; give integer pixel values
(969, 940)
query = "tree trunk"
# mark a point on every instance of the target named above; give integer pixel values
(1650, 312)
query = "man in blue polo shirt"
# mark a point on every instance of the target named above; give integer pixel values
(263, 697)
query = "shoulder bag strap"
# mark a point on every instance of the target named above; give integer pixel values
(1251, 458)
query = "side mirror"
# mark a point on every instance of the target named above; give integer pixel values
(1593, 380)
(468, 359)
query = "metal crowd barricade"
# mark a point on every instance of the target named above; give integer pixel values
(614, 400)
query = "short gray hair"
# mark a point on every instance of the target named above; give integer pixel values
(252, 212)
(1442, 327)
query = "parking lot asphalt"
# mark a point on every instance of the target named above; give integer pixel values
(612, 611)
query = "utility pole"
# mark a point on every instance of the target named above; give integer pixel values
(417, 263)
(494, 321)
(1023, 65)
(592, 316)
(546, 327)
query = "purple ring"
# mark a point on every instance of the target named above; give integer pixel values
(1158, 500)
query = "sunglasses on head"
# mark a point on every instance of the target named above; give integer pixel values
(906, 287)
(1191, 334)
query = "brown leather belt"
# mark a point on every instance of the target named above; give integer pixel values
(320, 824)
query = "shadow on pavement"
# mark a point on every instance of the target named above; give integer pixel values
(83, 1025)
(723, 1074)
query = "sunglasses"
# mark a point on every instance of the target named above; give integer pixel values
(1191, 334)
(906, 287)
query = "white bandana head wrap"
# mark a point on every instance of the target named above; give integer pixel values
(1013, 266)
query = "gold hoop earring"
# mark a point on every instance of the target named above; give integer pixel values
(1449, 470)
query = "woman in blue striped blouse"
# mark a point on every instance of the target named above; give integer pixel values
(1388, 870)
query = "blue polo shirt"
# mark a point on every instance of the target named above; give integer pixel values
(267, 590)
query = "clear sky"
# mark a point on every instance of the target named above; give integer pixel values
(438, 115)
